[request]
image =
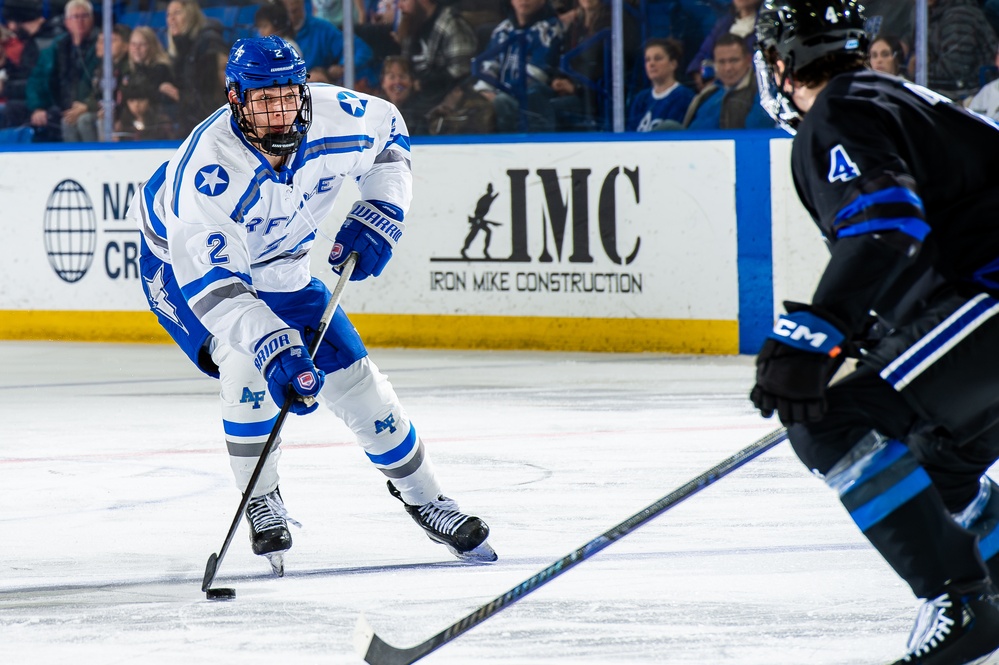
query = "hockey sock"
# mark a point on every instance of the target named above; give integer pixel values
(891, 498)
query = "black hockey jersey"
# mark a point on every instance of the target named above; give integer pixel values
(904, 186)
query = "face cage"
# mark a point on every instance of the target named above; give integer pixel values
(285, 143)
(772, 98)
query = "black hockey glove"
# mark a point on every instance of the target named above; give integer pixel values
(796, 364)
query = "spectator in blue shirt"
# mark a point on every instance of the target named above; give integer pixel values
(739, 20)
(664, 105)
(524, 54)
(732, 100)
(322, 49)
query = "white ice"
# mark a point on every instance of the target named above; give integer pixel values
(115, 488)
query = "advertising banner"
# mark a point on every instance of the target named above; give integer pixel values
(514, 239)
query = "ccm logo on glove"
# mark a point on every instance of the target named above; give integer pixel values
(805, 331)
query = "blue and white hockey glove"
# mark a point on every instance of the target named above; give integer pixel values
(372, 229)
(796, 364)
(284, 361)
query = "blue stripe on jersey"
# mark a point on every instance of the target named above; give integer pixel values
(261, 428)
(191, 289)
(331, 145)
(400, 140)
(149, 192)
(911, 226)
(397, 453)
(908, 366)
(881, 197)
(885, 504)
(178, 178)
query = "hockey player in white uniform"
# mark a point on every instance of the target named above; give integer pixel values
(227, 225)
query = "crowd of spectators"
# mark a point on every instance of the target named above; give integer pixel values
(451, 66)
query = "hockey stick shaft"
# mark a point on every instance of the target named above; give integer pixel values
(211, 568)
(376, 651)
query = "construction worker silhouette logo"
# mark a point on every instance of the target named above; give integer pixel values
(478, 222)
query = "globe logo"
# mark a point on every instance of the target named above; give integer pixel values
(70, 231)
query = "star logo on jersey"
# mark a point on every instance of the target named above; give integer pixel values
(158, 299)
(211, 180)
(351, 103)
(841, 167)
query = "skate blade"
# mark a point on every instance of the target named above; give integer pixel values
(276, 559)
(484, 553)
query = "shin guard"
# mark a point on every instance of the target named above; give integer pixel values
(364, 399)
(891, 498)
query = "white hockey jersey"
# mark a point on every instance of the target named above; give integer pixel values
(231, 226)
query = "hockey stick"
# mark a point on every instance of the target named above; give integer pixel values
(215, 559)
(376, 651)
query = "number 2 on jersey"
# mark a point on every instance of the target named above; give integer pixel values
(217, 242)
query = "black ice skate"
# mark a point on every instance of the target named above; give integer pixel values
(269, 533)
(959, 627)
(465, 535)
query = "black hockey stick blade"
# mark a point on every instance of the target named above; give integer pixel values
(214, 560)
(377, 651)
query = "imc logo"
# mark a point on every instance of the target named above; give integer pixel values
(564, 222)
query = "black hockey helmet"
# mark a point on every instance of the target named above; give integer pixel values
(799, 32)
(802, 31)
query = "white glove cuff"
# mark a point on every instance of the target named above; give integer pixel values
(373, 218)
(268, 347)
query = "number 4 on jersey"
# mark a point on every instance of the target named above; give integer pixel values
(841, 167)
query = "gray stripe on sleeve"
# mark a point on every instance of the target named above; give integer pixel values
(388, 156)
(213, 298)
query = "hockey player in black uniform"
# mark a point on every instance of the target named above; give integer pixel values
(904, 186)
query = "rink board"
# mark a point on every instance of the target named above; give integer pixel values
(620, 245)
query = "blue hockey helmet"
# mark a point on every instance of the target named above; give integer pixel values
(267, 62)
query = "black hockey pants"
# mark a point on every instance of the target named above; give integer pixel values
(934, 386)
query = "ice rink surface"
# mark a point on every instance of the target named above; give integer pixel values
(115, 487)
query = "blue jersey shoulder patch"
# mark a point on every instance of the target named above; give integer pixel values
(211, 180)
(351, 103)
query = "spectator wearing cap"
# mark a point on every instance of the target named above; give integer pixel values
(62, 80)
